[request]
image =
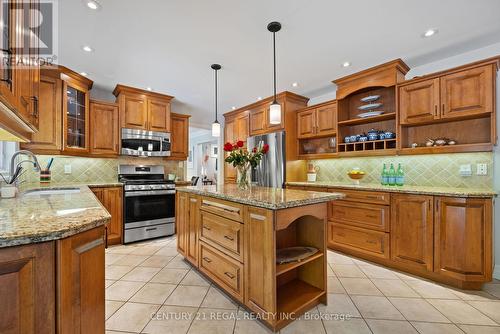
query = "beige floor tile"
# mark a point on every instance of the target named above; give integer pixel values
(171, 320)
(193, 277)
(216, 299)
(376, 307)
(460, 312)
(169, 276)
(123, 290)
(146, 250)
(141, 274)
(178, 262)
(406, 276)
(153, 293)
(212, 321)
(131, 317)
(351, 326)
(187, 295)
(390, 327)
(359, 286)
(471, 329)
(416, 309)
(490, 308)
(339, 304)
(435, 328)
(116, 272)
(120, 249)
(301, 326)
(347, 270)
(373, 271)
(115, 332)
(111, 307)
(334, 286)
(474, 295)
(156, 261)
(111, 258)
(167, 251)
(492, 288)
(108, 283)
(329, 271)
(131, 260)
(431, 290)
(394, 288)
(249, 326)
(337, 258)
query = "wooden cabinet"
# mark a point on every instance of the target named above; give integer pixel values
(463, 238)
(182, 221)
(76, 129)
(318, 121)
(361, 241)
(192, 229)
(142, 109)
(104, 128)
(80, 297)
(48, 139)
(412, 230)
(235, 128)
(27, 289)
(179, 137)
(374, 217)
(259, 120)
(419, 102)
(112, 199)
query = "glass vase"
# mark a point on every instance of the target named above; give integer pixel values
(243, 176)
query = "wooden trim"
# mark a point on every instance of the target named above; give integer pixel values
(287, 216)
(63, 73)
(127, 89)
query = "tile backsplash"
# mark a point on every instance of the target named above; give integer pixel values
(97, 169)
(425, 170)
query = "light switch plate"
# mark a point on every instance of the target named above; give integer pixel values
(465, 170)
(67, 169)
(482, 169)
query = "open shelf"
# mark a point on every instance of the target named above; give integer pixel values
(312, 146)
(286, 267)
(366, 120)
(374, 145)
(296, 295)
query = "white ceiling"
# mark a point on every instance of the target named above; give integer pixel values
(170, 44)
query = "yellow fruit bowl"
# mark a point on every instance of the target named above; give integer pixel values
(356, 176)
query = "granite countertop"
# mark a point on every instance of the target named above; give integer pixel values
(96, 184)
(422, 190)
(268, 198)
(38, 218)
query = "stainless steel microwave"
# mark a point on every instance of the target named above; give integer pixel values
(143, 143)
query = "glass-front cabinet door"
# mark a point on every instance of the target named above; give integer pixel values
(76, 118)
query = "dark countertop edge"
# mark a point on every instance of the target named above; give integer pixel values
(52, 236)
(288, 205)
(450, 193)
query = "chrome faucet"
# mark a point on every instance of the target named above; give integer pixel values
(23, 152)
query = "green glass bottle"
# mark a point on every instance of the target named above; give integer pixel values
(392, 176)
(384, 176)
(400, 176)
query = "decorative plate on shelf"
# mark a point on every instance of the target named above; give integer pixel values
(294, 254)
(371, 113)
(370, 98)
(370, 106)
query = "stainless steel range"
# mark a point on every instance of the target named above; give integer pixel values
(149, 202)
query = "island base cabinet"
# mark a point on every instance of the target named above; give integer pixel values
(27, 286)
(112, 198)
(463, 239)
(80, 280)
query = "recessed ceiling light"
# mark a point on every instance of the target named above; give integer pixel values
(295, 84)
(259, 98)
(87, 48)
(430, 32)
(93, 4)
(83, 73)
(346, 64)
(234, 108)
(149, 88)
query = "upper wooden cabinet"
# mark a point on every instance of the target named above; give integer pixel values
(317, 121)
(235, 128)
(179, 136)
(76, 127)
(457, 95)
(259, 120)
(104, 128)
(142, 109)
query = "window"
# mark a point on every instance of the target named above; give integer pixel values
(7, 149)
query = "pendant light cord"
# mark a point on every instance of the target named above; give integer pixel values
(274, 65)
(216, 96)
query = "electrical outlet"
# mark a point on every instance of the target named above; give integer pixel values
(482, 169)
(67, 169)
(465, 170)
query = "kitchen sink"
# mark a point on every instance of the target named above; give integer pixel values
(51, 191)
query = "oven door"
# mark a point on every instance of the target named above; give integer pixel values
(144, 208)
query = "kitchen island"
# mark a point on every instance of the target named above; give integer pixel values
(232, 236)
(52, 261)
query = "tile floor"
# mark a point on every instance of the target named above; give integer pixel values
(151, 289)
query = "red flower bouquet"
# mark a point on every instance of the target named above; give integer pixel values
(243, 159)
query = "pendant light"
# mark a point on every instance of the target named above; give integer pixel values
(275, 109)
(216, 124)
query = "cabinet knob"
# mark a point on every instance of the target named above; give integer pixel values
(207, 259)
(228, 274)
(229, 238)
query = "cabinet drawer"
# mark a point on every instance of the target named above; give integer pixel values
(228, 273)
(371, 197)
(222, 208)
(222, 233)
(358, 239)
(374, 217)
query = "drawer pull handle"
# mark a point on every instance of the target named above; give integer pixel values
(207, 259)
(231, 276)
(207, 228)
(229, 238)
(372, 197)
(341, 234)
(373, 242)
(220, 206)
(151, 229)
(371, 216)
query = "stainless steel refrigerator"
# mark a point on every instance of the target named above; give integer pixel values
(271, 170)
